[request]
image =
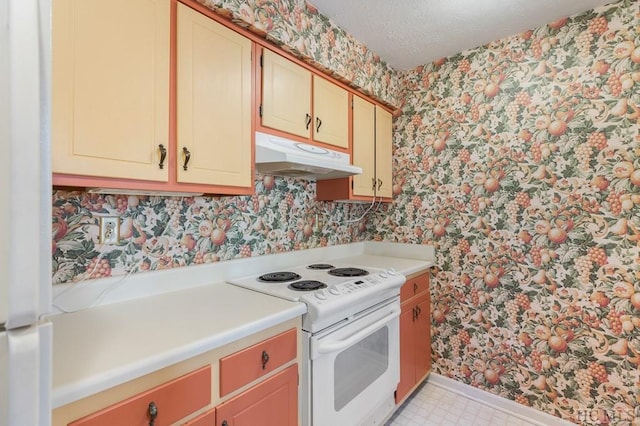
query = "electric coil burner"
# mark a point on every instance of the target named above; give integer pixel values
(279, 277)
(307, 285)
(320, 266)
(348, 272)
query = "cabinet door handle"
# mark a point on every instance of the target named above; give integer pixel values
(414, 315)
(318, 124)
(163, 155)
(153, 413)
(187, 157)
(224, 423)
(265, 359)
(308, 118)
(418, 311)
(415, 288)
(373, 184)
(379, 183)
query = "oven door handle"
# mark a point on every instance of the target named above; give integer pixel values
(338, 345)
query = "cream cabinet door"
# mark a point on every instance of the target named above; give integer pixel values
(363, 146)
(286, 95)
(384, 152)
(110, 96)
(213, 102)
(331, 113)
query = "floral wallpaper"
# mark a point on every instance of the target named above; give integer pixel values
(520, 162)
(168, 232)
(296, 26)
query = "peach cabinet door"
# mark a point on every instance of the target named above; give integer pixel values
(213, 102)
(247, 365)
(423, 337)
(110, 96)
(363, 146)
(384, 142)
(407, 351)
(273, 402)
(174, 400)
(286, 95)
(331, 113)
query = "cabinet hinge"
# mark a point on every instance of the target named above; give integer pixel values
(261, 60)
(260, 110)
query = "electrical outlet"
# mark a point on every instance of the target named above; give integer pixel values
(109, 229)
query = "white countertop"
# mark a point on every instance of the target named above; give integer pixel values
(95, 349)
(152, 320)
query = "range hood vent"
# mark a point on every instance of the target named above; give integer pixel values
(284, 157)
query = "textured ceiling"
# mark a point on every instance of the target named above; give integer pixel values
(408, 33)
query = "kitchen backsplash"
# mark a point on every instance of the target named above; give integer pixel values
(169, 232)
(520, 162)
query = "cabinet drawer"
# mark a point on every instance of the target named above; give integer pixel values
(245, 366)
(174, 400)
(414, 286)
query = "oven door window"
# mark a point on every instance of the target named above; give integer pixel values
(358, 366)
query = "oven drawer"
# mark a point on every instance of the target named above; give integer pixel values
(247, 365)
(414, 286)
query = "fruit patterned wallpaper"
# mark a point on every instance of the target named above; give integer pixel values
(520, 162)
(170, 232)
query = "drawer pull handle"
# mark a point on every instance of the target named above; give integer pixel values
(163, 155)
(187, 157)
(415, 288)
(153, 413)
(308, 121)
(224, 423)
(318, 124)
(265, 359)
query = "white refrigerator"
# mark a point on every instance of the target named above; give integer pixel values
(25, 213)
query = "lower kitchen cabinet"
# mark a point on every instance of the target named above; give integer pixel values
(273, 402)
(415, 335)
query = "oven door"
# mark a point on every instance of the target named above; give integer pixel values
(355, 368)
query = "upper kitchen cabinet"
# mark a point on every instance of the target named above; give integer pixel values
(150, 95)
(110, 100)
(213, 102)
(301, 103)
(372, 151)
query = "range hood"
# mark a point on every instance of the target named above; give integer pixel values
(284, 157)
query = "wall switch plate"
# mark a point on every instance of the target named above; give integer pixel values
(109, 229)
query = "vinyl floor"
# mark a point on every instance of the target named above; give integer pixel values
(432, 405)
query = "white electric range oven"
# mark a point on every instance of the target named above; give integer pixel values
(351, 360)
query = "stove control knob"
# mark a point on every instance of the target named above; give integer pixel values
(392, 272)
(383, 275)
(335, 291)
(320, 295)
